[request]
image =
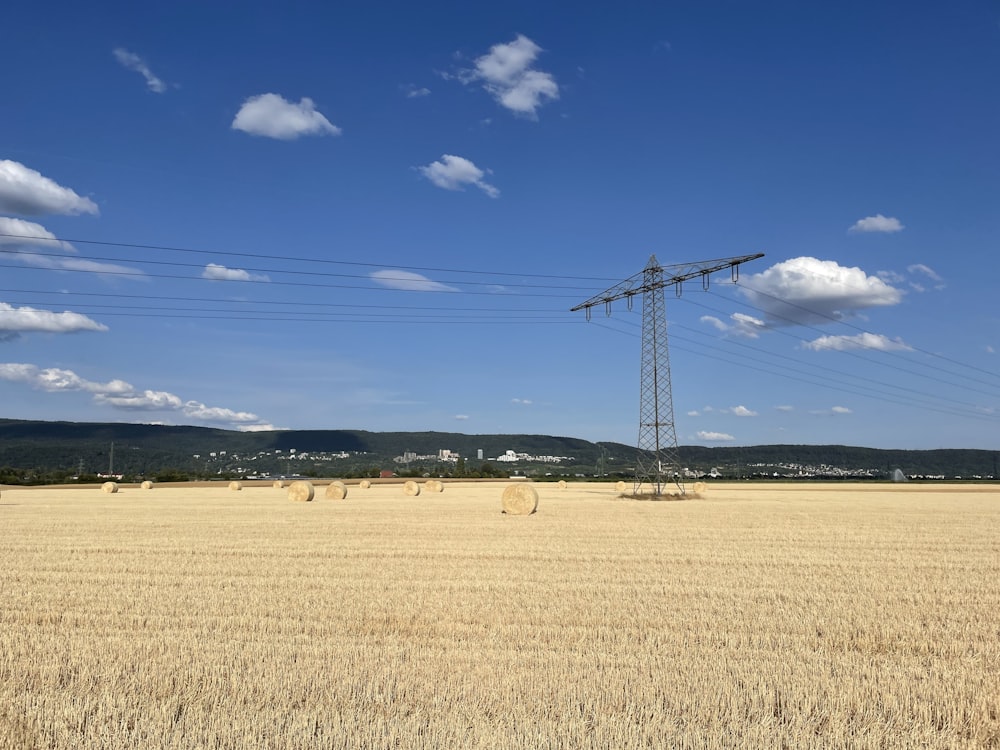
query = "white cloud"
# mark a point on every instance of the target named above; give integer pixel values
(408, 281)
(28, 193)
(455, 172)
(216, 272)
(132, 61)
(925, 270)
(840, 410)
(714, 436)
(16, 320)
(415, 92)
(694, 413)
(872, 341)
(522, 401)
(461, 417)
(809, 290)
(122, 395)
(745, 326)
(785, 407)
(506, 73)
(266, 427)
(877, 223)
(742, 411)
(25, 241)
(272, 116)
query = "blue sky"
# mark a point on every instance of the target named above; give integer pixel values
(377, 216)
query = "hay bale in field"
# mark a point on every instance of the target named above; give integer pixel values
(147, 485)
(433, 485)
(519, 499)
(411, 488)
(235, 486)
(562, 484)
(336, 491)
(699, 487)
(621, 486)
(364, 484)
(278, 485)
(109, 487)
(301, 491)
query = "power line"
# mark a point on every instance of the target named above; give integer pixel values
(233, 254)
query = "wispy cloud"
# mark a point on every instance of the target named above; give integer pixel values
(742, 411)
(33, 245)
(714, 437)
(807, 290)
(521, 401)
(871, 341)
(506, 72)
(455, 172)
(415, 92)
(877, 223)
(216, 272)
(408, 281)
(785, 407)
(121, 395)
(272, 116)
(17, 320)
(132, 61)
(840, 410)
(461, 417)
(27, 192)
(742, 325)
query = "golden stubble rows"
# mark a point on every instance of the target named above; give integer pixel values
(758, 616)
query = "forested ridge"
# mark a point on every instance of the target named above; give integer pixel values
(34, 451)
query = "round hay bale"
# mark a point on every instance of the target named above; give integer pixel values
(433, 485)
(519, 499)
(109, 487)
(147, 485)
(336, 491)
(562, 484)
(621, 486)
(279, 485)
(235, 486)
(301, 491)
(699, 487)
(411, 488)
(364, 484)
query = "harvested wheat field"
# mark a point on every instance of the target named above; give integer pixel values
(760, 615)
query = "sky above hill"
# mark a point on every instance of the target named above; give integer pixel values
(378, 216)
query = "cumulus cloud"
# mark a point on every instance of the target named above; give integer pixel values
(122, 395)
(27, 192)
(132, 61)
(716, 437)
(272, 116)
(265, 427)
(808, 290)
(694, 413)
(408, 281)
(877, 223)
(506, 72)
(455, 172)
(216, 272)
(18, 320)
(742, 411)
(33, 245)
(873, 341)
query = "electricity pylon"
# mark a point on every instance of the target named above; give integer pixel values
(657, 463)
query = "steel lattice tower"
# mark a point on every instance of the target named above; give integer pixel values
(657, 462)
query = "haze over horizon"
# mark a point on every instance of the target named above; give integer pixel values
(377, 216)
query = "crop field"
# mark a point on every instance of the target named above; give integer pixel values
(756, 616)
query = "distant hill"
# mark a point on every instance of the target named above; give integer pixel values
(48, 451)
